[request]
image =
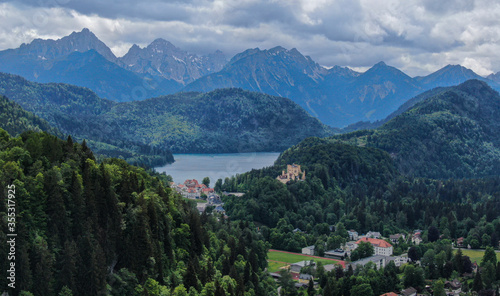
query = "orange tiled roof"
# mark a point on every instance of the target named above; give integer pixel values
(376, 242)
(389, 294)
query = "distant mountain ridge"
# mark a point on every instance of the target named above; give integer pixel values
(338, 96)
(221, 121)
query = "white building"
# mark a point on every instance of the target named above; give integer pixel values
(380, 247)
(308, 250)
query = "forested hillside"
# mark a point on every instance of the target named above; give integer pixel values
(16, 120)
(62, 105)
(228, 120)
(360, 188)
(451, 134)
(109, 228)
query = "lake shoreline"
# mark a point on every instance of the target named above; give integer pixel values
(215, 165)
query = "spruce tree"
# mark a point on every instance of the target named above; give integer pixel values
(477, 285)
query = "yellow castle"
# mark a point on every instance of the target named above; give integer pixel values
(293, 172)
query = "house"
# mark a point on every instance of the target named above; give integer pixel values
(409, 292)
(380, 247)
(296, 267)
(275, 275)
(207, 191)
(192, 193)
(454, 286)
(219, 210)
(304, 278)
(308, 250)
(201, 207)
(416, 238)
(329, 267)
(350, 246)
(293, 172)
(395, 237)
(373, 234)
(336, 254)
(399, 260)
(460, 242)
(353, 235)
(389, 294)
(191, 183)
(300, 286)
(378, 260)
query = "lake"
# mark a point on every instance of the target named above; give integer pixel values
(215, 166)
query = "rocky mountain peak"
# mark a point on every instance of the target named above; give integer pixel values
(77, 41)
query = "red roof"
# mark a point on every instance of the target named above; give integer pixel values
(375, 241)
(389, 294)
(192, 182)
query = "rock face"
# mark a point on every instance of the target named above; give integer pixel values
(77, 41)
(161, 58)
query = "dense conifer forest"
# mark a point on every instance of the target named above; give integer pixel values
(109, 228)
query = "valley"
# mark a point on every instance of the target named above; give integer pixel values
(163, 172)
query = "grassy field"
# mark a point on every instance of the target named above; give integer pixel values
(476, 255)
(275, 266)
(277, 260)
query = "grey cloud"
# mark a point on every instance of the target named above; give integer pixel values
(446, 7)
(413, 35)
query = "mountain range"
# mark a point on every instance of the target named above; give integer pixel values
(82, 59)
(338, 96)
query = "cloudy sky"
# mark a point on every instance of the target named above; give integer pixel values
(416, 36)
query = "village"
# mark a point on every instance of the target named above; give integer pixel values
(302, 271)
(205, 196)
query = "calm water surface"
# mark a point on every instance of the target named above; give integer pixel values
(215, 166)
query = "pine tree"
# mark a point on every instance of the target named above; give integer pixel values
(67, 266)
(42, 263)
(190, 277)
(439, 288)
(77, 205)
(65, 291)
(458, 262)
(477, 285)
(310, 288)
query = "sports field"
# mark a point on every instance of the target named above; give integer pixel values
(476, 255)
(278, 259)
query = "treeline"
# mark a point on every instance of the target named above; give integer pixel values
(89, 228)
